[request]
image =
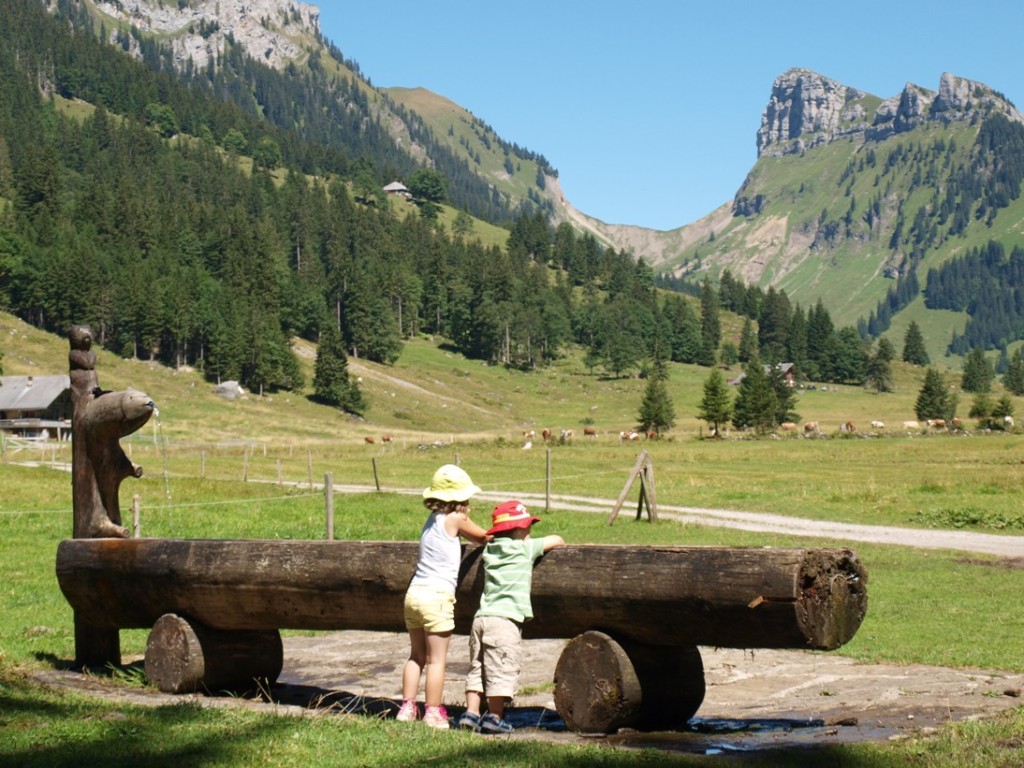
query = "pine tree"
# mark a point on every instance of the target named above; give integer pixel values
(914, 351)
(332, 384)
(656, 409)
(978, 374)
(1002, 413)
(1014, 378)
(756, 403)
(933, 400)
(710, 324)
(879, 371)
(716, 405)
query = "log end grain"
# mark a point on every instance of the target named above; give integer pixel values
(833, 597)
(596, 688)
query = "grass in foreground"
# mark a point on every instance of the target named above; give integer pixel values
(924, 607)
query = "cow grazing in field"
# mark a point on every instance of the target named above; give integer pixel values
(369, 440)
(546, 434)
(847, 427)
(527, 445)
(911, 425)
(652, 434)
(787, 426)
(811, 427)
(937, 423)
(878, 425)
(1008, 421)
(629, 435)
(566, 435)
(956, 423)
(589, 432)
(529, 434)
(385, 438)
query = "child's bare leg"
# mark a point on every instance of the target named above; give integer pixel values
(473, 701)
(496, 705)
(414, 666)
(437, 657)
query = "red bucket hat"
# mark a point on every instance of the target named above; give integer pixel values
(509, 515)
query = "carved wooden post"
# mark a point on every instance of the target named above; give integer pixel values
(98, 465)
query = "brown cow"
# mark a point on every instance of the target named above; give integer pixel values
(937, 423)
(529, 434)
(810, 426)
(652, 434)
(385, 438)
(546, 434)
(629, 435)
(369, 440)
(788, 426)
(589, 432)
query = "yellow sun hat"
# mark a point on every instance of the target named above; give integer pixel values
(450, 483)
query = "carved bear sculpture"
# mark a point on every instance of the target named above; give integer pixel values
(99, 420)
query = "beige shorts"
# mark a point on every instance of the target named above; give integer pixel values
(495, 656)
(429, 608)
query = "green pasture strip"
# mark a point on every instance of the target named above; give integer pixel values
(945, 482)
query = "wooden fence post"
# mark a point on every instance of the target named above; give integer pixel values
(547, 483)
(245, 465)
(376, 477)
(136, 529)
(329, 504)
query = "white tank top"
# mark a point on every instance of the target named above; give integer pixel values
(440, 555)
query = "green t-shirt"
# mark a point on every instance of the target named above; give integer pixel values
(508, 576)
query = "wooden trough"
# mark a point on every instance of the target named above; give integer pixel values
(634, 614)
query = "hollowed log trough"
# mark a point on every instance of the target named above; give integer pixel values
(635, 614)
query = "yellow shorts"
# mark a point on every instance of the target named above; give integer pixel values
(429, 608)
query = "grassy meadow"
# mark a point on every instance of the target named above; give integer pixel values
(252, 469)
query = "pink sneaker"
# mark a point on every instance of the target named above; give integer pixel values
(408, 711)
(436, 717)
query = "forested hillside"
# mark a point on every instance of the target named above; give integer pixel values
(169, 221)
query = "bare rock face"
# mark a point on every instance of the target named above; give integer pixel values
(807, 110)
(271, 31)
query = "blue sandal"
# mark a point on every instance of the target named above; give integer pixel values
(469, 721)
(491, 723)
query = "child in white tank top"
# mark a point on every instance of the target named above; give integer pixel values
(430, 599)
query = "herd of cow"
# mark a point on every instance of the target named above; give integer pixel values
(848, 427)
(810, 428)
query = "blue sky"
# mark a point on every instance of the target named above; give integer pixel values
(650, 113)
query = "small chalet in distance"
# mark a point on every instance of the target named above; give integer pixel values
(398, 189)
(36, 406)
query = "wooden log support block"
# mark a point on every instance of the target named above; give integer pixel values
(602, 684)
(596, 687)
(184, 657)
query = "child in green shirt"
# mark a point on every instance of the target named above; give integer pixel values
(495, 641)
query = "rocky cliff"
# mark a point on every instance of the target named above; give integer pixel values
(271, 31)
(806, 109)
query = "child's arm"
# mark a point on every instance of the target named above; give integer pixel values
(552, 542)
(467, 529)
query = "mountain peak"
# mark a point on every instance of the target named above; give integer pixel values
(807, 109)
(269, 30)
